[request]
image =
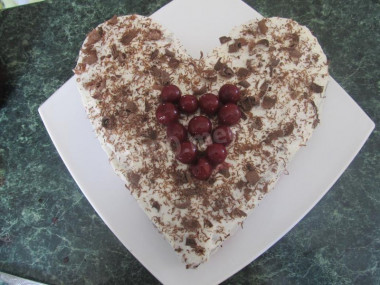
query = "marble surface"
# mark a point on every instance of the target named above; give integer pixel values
(50, 233)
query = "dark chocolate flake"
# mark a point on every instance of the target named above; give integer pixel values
(94, 36)
(247, 103)
(249, 166)
(293, 52)
(269, 102)
(207, 223)
(219, 65)
(257, 123)
(199, 250)
(225, 172)
(133, 178)
(263, 42)
(113, 20)
(288, 129)
(190, 224)
(274, 62)
(224, 39)
(109, 123)
(91, 57)
(152, 134)
(191, 242)
(182, 203)
(295, 38)
(273, 136)
(262, 26)
(226, 72)
(264, 86)
(161, 76)
(131, 107)
(240, 184)
(114, 51)
(242, 72)
(238, 213)
(249, 64)
(128, 36)
(241, 42)
(154, 35)
(154, 54)
(233, 48)
(156, 205)
(316, 88)
(169, 53)
(244, 83)
(173, 62)
(252, 177)
(97, 95)
(315, 123)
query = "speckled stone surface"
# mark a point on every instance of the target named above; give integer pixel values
(50, 233)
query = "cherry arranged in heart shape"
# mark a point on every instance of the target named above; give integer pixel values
(201, 165)
(188, 104)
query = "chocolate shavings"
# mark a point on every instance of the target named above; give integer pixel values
(128, 37)
(244, 83)
(109, 123)
(156, 205)
(269, 102)
(316, 88)
(224, 39)
(154, 35)
(262, 26)
(252, 177)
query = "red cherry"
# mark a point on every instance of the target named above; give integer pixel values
(202, 169)
(199, 125)
(223, 135)
(229, 114)
(216, 153)
(176, 132)
(209, 103)
(187, 152)
(229, 93)
(170, 93)
(188, 104)
(167, 113)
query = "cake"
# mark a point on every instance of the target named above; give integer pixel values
(281, 73)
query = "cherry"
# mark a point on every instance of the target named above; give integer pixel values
(223, 135)
(188, 104)
(167, 113)
(187, 152)
(170, 93)
(199, 125)
(176, 132)
(202, 169)
(209, 103)
(216, 153)
(229, 93)
(229, 114)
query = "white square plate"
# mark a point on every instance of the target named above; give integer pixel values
(343, 130)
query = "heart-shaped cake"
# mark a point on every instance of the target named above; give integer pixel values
(124, 67)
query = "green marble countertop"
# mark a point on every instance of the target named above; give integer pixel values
(50, 233)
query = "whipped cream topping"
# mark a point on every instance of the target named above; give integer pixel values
(121, 69)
